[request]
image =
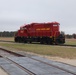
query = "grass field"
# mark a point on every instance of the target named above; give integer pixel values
(49, 50)
(71, 41)
(7, 38)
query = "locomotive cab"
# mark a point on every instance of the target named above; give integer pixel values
(21, 34)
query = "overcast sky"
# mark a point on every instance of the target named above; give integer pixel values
(14, 13)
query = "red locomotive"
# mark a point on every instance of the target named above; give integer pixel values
(40, 32)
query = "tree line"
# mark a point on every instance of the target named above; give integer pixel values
(7, 34)
(70, 36)
(12, 34)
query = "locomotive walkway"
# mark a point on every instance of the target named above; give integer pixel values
(15, 63)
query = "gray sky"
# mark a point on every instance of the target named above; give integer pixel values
(14, 13)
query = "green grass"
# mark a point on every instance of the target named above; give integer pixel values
(50, 50)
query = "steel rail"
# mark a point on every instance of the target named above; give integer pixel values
(16, 54)
(66, 45)
(26, 70)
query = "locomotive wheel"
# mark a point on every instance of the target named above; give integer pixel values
(30, 41)
(41, 41)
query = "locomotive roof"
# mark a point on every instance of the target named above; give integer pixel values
(45, 23)
(39, 23)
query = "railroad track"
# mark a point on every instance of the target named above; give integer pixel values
(6, 54)
(64, 45)
(67, 45)
(33, 65)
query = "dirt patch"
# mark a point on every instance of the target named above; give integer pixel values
(63, 60)
(2, 72)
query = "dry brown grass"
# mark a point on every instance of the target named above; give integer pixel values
(70, 41)
(7, 38)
